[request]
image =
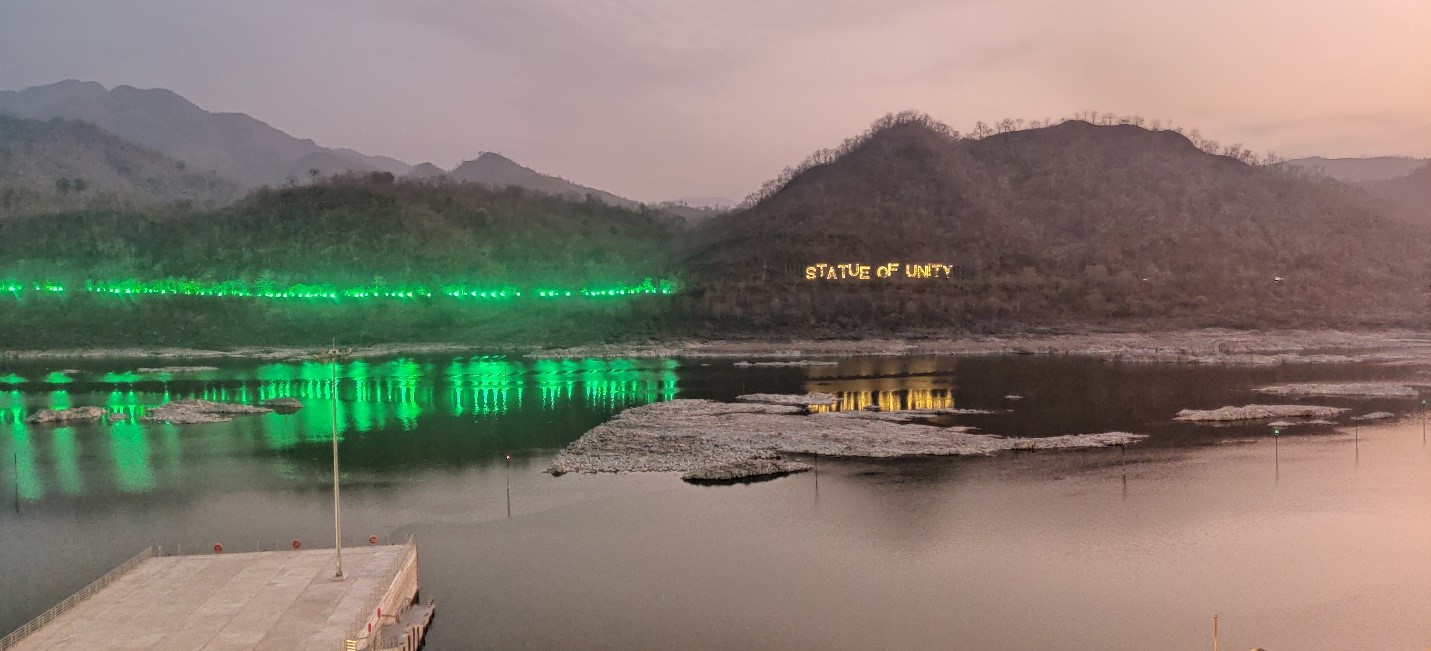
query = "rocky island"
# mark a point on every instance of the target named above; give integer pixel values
(710, 440)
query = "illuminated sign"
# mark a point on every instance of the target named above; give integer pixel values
(887, 271)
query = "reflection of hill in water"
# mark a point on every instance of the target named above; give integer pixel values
(471, 410)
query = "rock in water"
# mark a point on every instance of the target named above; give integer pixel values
(282, 405)
(788, 400)
(176, 369)
(1375, 415)
(750, 470)
(1342, 390)
(65, 415)
(1257, 412)
(716, 439)
(191, 412)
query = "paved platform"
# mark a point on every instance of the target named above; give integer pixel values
(259, 600)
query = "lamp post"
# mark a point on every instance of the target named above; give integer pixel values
(331, 358)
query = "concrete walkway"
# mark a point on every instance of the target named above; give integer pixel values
(262, 600)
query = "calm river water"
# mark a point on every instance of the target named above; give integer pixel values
(1318, 540)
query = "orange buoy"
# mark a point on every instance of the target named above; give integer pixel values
(372, 540)
(297, 544)
(218, 548)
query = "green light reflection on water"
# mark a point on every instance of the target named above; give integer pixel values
(66, 455)
(131, 457)
(173, 453)
(391, 397)
(27, 477)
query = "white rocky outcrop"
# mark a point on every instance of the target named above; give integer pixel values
(75, 414)
(715, 438)
(1342, 390)
(1375, 415)
(1257, 412)
(192, 412)
(796, 400)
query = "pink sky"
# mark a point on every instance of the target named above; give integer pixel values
(658, 99)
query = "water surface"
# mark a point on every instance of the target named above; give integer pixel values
(1310, 541)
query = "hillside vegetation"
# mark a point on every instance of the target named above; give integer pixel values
(64, 164)
(1067, 226)
(1053, 226)
(351, 231)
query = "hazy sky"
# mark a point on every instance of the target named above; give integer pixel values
(658, 99)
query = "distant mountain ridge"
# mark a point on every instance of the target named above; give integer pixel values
(250, 153)
(496, 170)
(236, 146)
(1361, 170)
(66, 163)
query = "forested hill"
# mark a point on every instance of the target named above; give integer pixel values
(1066, 224)
(56, 164)
(350, 230)
(362, 259)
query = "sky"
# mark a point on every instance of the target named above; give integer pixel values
(659, 99)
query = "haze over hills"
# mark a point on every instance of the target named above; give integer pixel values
(64, 163)
(249, 152)
(1073, 223)
(1412, 191)
(237, 146)
(1361, 170)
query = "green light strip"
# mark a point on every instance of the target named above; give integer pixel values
(242, 289)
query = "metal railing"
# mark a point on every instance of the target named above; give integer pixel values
(364, 640)
(65, 606)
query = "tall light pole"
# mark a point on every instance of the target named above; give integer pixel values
(331, 357)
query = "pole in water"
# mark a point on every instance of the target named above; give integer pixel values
(509, 484)
(17, 482)
(1276, 455)
(1123, 465)
(1214, 632)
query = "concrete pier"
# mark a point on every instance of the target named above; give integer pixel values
(256, 600)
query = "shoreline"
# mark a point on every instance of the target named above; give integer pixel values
(1200, 346)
